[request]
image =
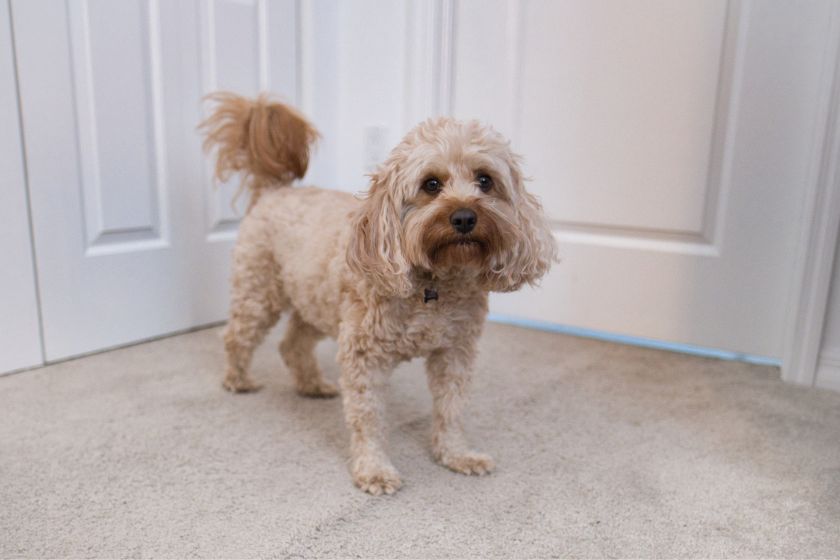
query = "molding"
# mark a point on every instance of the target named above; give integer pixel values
(298, 93)
(515, 38)
(7, 37)
(429, 61)
(158, 119)
(727, 105)
(708, 239)
(446, 57)
(305, 56)
(222, 228)
(262, 41)
(101, 239)
(207, 34)
(819, 235)
(419, 63)
(632, 238)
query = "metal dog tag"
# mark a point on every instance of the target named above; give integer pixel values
(429, 294)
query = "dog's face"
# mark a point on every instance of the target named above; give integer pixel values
(450, 200)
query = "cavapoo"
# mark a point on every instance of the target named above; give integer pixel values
(401, 273)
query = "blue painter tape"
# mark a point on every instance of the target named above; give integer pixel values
(634, 340)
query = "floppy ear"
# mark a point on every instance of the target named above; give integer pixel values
(534, 249)
(375, 248)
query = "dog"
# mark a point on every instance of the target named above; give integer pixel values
(402, 272)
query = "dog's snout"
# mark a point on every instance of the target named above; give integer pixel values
(463, 220)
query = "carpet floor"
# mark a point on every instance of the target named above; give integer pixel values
(603, 450)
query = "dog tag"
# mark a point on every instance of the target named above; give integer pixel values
(429, 294)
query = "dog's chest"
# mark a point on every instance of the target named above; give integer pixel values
(421, 327)
(425, 330)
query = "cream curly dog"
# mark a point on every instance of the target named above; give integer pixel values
(401, 274)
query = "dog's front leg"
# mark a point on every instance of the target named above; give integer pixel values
(362, 390)
(449, 372)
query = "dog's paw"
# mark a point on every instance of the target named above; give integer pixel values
(320, 390)
(470, 462)
(240, 385)
(377, 479)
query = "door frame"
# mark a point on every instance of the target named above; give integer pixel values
(22, 346)
(818, 238)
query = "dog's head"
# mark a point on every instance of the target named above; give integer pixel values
(450, 199)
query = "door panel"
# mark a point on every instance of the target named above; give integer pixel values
(132, 240)
(118, 105)
(670, 144)
(633, 96)
(20, 342)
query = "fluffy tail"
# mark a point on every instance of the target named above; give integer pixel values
(268, 142)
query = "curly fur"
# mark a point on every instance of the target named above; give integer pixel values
(357, 270)
(265, 141)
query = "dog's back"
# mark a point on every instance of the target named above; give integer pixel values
(305, 230)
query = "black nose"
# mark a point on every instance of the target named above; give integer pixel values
(463, 220)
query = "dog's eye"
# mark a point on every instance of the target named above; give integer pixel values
(432, 185)
(485, 182)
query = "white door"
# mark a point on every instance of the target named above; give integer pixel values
(20, 344)
(131, 241)
(672, 144)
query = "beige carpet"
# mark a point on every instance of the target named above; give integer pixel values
(603, 451)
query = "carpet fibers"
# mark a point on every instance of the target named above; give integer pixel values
(602, 450)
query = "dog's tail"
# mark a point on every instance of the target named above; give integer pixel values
(266, 141)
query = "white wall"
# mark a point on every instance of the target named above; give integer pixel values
(354, 78)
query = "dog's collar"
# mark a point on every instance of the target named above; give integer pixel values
(429, 279)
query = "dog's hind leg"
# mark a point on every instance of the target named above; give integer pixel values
(298, 351)
(256, 302)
